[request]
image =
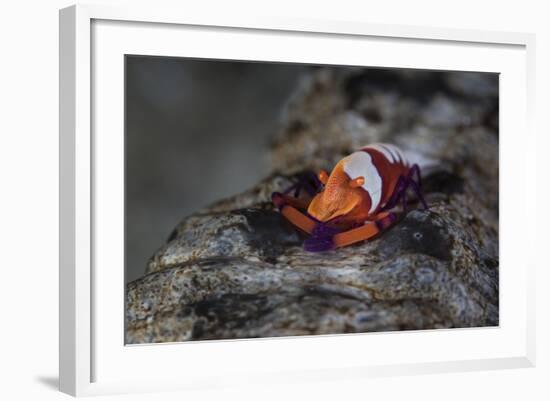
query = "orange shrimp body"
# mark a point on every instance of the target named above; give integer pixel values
(360, 184)
(357, 196)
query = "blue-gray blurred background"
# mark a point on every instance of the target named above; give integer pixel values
(196, 131)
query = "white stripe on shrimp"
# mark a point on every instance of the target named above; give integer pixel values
(392, 150)
(378, 147)
(400, 153)
(360, 164)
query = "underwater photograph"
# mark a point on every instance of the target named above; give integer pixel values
(281, 199)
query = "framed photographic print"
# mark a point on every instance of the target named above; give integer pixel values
(238, 190)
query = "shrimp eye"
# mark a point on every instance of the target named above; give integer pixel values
(357, 182)
(323, 177)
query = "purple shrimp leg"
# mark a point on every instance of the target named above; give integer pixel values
(418, 192)
(417, 185)
(400, 190)
(306, 181)
(321, 238)
(415, 170)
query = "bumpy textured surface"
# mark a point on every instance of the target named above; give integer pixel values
(237, 269)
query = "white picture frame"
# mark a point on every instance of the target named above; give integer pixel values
(92, 362)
